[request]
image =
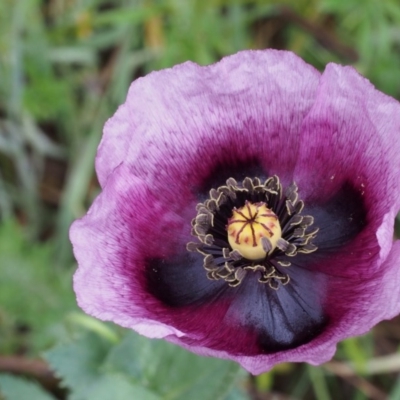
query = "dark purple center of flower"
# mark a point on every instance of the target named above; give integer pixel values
(221, 261)
(251, 319)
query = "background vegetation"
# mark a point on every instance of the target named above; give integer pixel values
(65, 66)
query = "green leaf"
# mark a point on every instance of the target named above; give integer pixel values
(77, 363)
(174, 373)
(13, 388)
(119, 387)
(237, 394)
(92, 367)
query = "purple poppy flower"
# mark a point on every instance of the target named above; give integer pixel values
(247, 210)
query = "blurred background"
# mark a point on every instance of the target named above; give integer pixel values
(65, 66)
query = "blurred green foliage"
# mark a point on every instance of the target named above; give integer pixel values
(35, 293)
(65, 66)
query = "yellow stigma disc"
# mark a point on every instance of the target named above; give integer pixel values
(253, 230)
